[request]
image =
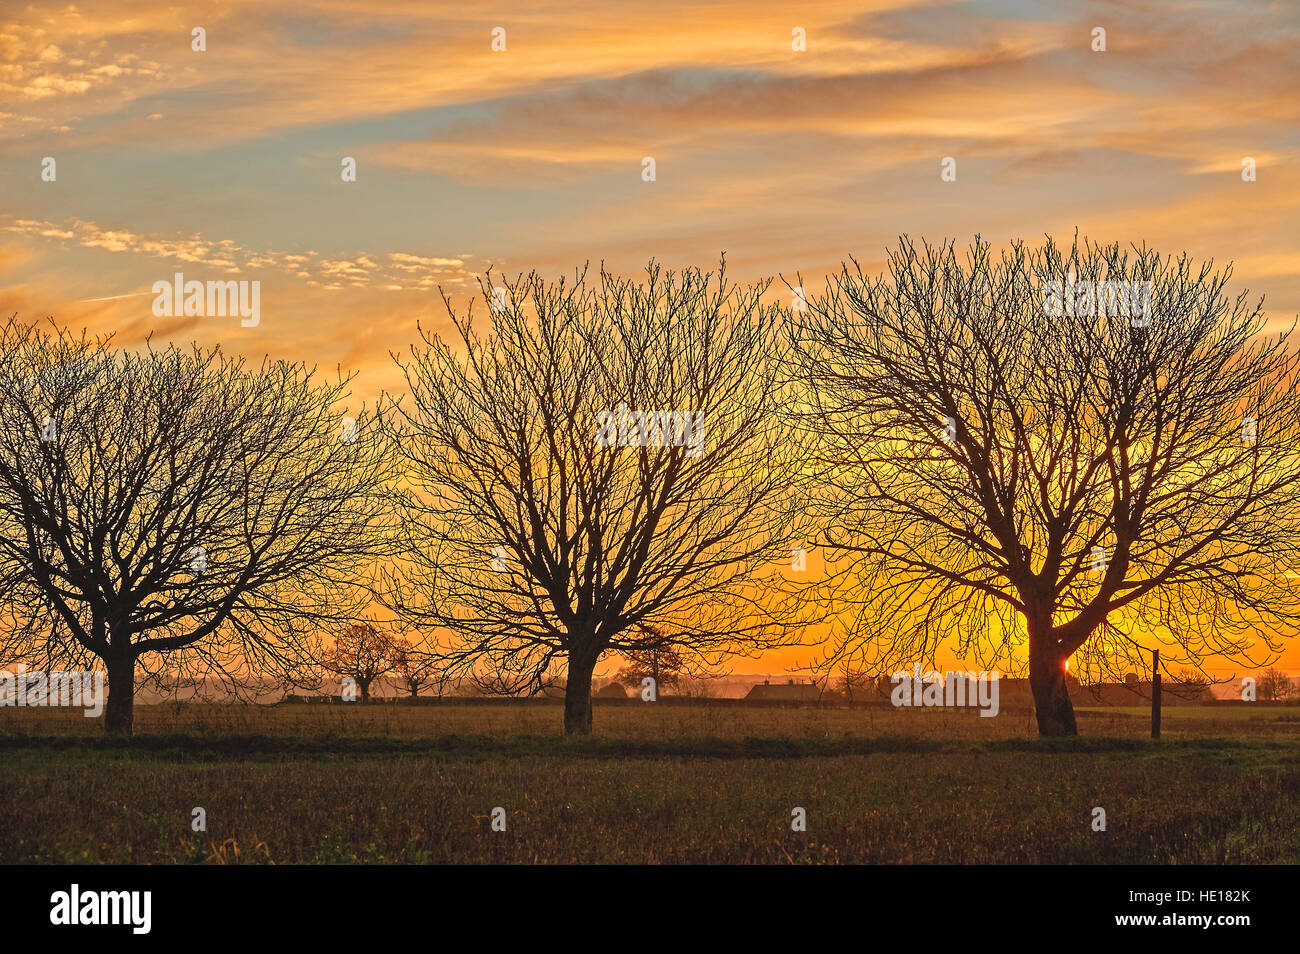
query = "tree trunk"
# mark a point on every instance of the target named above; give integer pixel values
(577, 695)
(364, 686)
(1052, 703)
(119, 710)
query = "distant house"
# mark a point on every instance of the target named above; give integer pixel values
(789, 691)
(610, 691)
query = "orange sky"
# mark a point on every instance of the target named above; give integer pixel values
(226, 163)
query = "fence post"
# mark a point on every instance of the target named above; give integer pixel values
(1155, 694)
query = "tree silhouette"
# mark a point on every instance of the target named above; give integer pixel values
(416, 670)
(1095, 479)
(363, 653)
(606, 456)
(1189, 683)
(176, 505)
(854, 682)
(654, 658)
(1275, 685)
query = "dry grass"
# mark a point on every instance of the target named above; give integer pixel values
(315, 784)
(642, 722)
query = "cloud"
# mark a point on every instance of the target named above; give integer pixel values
(227, 256)
(785, 160)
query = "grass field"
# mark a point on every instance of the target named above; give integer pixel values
(312, 784)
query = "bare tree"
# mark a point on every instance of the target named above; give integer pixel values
(1275, 685)
(655, 658)
(606, 456)
(853, 682)
(175, 505)
(1094, 451)
(416, 670)
(363, 653)
(1190, 684)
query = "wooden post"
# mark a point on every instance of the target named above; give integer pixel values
(1155, 694)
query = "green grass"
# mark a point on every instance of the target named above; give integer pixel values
(368, 785)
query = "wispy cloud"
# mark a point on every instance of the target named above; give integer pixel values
(394, 270)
